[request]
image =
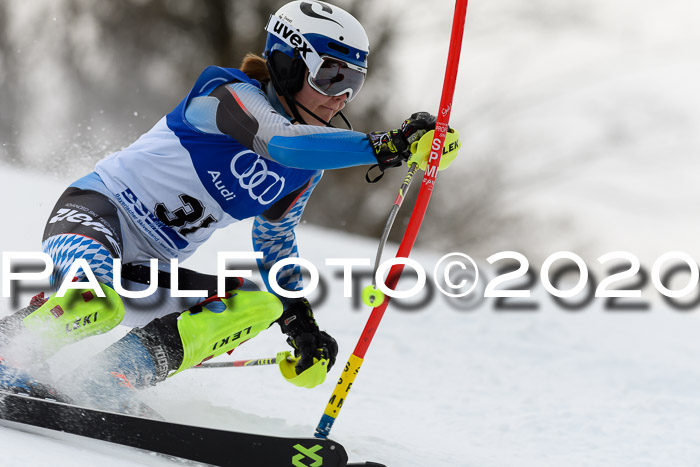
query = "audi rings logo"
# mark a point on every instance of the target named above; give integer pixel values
(263, 185)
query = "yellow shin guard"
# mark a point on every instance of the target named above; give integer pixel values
(215, 327)
(75, 316)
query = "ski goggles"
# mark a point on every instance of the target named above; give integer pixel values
(335, 77)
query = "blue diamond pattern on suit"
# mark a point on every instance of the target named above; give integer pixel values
(66, 248)
(277, 241)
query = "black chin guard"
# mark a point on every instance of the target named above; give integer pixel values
(286, 73)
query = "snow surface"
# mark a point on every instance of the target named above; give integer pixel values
(439, 387)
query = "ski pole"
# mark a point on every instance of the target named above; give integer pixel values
(354, 363)
(238, 363)
(371, 294)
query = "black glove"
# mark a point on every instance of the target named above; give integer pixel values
(308, 341)
(393, 147)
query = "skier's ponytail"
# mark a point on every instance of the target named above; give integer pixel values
(255, 67)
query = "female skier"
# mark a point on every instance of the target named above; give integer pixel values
(248, 143)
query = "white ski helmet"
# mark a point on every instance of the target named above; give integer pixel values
(323, 38)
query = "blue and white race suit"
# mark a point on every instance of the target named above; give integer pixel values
(227, 152)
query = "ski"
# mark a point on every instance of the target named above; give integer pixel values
(199, 444)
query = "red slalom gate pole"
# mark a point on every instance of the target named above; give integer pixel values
(355, 361)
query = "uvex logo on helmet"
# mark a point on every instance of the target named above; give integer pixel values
(293, 38)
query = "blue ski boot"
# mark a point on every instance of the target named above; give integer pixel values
(110, 380)
(18, 381)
